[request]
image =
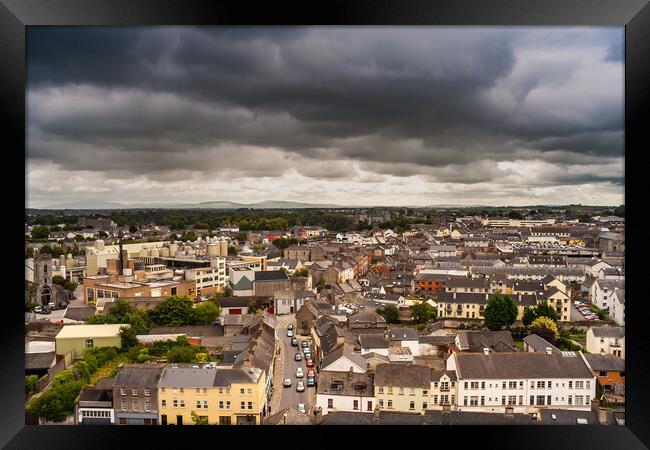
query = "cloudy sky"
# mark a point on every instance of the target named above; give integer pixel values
(353, 115)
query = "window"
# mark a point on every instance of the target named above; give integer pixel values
(164, 403)
(228, 404)
(453, 399)
(512, 385)
(435, 384)
(503, 400)
(548, 400)
(380, 390)
(549, 385)
(540, 385)
(135, 405)
(147, 392)
(390, 390)
(401, 391)
(370, 405)
(175, 403)
(89, 343)
(503, 385)
(570, 384)
(474, 385)
(465, 401)
(602, 373)
(521, 400)
(424, 405)
(570, 400)
(580, 384)
(482, 400)
(221, 390)
(161, 390)
(181, 389)
(123, 405)
(122, 391)
(250, 391)
(466, 385)
(221, 404)
(532, 385)
(444, 386)
(579, 400)
(390, 403)
(147, 406)
(134, 392)
(540, 400)
(435, 399)
(512, 400)
(241, 391)
(411, 405)
(198, 390)
(182, 403)
(250, 405)
(381, 403)
(198, 404)
(243, 405)
(588, 384)
(412, 392)
(355, 405)
(473, 400)
(521, 385)
(532, 400)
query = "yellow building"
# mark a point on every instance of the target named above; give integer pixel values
(75, 338)
(403, 387)
(222, 396)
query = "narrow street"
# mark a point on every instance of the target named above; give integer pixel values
(286, 368)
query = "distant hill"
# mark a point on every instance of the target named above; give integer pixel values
(267, 204)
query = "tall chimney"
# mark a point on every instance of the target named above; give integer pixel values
(602, 416)
(121, 271)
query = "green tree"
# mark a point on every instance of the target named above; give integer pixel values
(544, 328)
(321, 284)
(301, 272)
(423, 312)
(57, 403)
(58, 279)
(500, 312)
(227, 292)
(390, 313)
(174, 311)
(232, 250)
(541, 310)
(207, 312)
(31, 382)
(143, 355)
(70, 286)
(183, 354)
(530, 314)
(29, 252)
(40, 232)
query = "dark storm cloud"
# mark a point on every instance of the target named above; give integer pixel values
(444, 103)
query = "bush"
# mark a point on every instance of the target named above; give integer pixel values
(57, 403)
(31, 382)
(180, 354)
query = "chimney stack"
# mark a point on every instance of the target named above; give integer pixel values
(549, 351)
(602, 416)
(486, 351)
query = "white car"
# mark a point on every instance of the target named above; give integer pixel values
(289, 333)
(287, 383)
(299, 373)
(300, 386)
(301, 408)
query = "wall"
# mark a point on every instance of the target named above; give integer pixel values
(76, 345)
(345, 403)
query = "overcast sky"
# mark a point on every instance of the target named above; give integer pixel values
(354, 115)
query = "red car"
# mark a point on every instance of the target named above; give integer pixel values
(310, 362)
(311, 373)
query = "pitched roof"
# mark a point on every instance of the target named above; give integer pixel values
(403, 375)
(345, 383)
(403, 334)
(139, 375)
(79, 312)
(521, 365)
(539, 344)
(271, 275)
(289, 416)
(373, 341)
(90, 331)
(476, 341)
(344, 351)
(605, 362)
(39, 360)
(608, 331)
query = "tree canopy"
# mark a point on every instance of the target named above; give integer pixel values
(390, 313)
(174, 311)
(541, 310)
(500, 312)
(544, 328)
(423, 312)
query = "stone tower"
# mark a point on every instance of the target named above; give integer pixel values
(43, 291)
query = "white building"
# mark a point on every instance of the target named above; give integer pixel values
(601, 291)
(405, 337)
(606, 340)
(491, 381)
(617, 308)
(345, 391)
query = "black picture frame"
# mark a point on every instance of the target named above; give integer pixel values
(634, 15)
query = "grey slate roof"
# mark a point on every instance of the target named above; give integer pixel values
(196, 378)
(79, 312)
(609, 363)
(139, 375)
(608, 331)
(403, 334)
(344, 383)
(539, 344)
(476, 341)
(346, 351)
(402, 375)
(373, 341)
(293, 417)
(270, 275)
(520, 365)
(35, 361)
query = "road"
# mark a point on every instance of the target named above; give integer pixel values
(288, 395)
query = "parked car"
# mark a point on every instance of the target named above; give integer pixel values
(294, 342)
(299, 373)
(298, 357)
(38, 309)
(289, 333)
(304, 344)
(311, 373)
(301, 408)
(311, 381)
(290, 326)
(300, 386)
(310, 362)
(287, 383)
(46, 310)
